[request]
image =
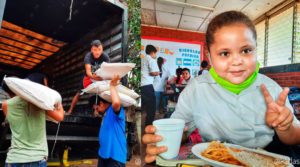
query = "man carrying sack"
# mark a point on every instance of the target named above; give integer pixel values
(28, 128)
(92, 62)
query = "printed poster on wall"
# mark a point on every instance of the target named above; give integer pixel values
(177, 53)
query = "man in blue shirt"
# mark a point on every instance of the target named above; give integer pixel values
(112, 138)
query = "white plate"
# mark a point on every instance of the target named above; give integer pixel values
(199, 148)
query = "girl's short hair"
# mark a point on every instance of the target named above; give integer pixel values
(225, 19)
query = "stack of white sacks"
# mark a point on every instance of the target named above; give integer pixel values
(46, 98)
(102, 88)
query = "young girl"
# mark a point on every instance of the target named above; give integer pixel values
(160, 82)
(178, 79)
(233, 103)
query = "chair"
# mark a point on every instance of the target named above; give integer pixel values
(294, 98)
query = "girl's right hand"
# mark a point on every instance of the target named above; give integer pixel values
(151, 139)
(278, 115)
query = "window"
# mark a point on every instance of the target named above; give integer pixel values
(278, 43)
(280, 38)
(297, 36)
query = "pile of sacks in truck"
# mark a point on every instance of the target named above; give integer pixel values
(46, 98)
(102, 88)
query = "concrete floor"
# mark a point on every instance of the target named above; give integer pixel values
(134, 162)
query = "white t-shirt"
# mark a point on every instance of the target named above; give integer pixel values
(186, 82)
(205, 72)
(148, 65)
(160, 81)
(222, 115)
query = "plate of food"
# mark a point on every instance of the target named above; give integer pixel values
(231, 155)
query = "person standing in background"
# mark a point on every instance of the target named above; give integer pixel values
(160, 82)
(149, 70)
(204, 66)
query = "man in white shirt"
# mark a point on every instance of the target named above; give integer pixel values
(149, 71)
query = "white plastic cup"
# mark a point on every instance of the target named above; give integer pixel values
(171, 131)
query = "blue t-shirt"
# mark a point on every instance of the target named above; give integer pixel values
(112, 136)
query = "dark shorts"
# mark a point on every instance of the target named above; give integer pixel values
(109, 163)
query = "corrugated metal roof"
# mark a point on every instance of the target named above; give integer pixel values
(24, 48)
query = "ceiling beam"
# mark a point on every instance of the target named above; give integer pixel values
(17, 60)
(31, 33)
(17, 54)
(27, 44)
(28, 40)
(154, 4)
(184, 4)
(206, 18)
(275, 10)
(181, 16)
(25, 47)
(24, 51)
(13, 57)
(15, 63)
(246, 5)
(174, 13)
(29, 36)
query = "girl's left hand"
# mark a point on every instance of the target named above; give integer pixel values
(278, 115)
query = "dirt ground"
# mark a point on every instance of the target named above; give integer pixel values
(134, 162)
